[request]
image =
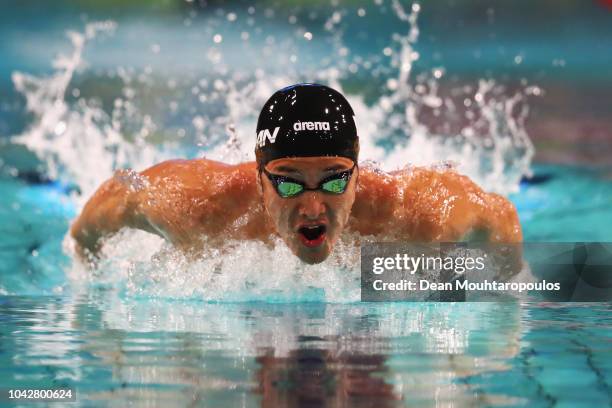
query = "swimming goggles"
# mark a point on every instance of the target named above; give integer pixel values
(287, 187)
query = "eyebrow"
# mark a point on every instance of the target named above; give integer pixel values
(287, 169)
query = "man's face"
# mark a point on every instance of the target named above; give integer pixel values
(311, 222)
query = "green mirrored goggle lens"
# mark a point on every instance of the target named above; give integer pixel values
(336, 186)
(288, 189)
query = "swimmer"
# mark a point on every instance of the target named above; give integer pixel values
(305, 187)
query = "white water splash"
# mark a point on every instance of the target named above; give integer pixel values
(490, 144)
(82, 144)
(143, 265)
(77, 143)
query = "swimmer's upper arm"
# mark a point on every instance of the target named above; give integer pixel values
(481, 216)
(186, 199)
(447, 206)
(131, 199)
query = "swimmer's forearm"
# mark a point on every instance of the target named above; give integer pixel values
(106, 212)
(503, 221)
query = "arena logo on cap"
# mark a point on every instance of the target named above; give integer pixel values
(297, 126)
(264, 134)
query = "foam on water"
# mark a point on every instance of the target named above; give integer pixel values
(143, 265)
(80, 143)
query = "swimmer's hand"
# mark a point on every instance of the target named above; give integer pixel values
(106, 212)
(85, 255)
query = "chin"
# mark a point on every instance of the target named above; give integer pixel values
(313, 257)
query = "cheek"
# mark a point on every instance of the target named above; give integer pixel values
(277, 211)
(343, 209)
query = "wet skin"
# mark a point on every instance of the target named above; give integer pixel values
(184, 200)
(311, 208)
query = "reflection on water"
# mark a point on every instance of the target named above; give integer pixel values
(256, 354)
(162, 353)
(153, 352)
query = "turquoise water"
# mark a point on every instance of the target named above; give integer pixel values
(117, 350)
(463, 354)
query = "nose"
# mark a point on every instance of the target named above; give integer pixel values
(312, 205)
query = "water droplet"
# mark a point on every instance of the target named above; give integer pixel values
(361, 12)
(387, 51)
(231, 17)
(558, 62)
(60, 128)
(308, 35)
(155, 48)
(217, 38)
(219, 85)
(518, 59)
(392, 84)
(198, 123)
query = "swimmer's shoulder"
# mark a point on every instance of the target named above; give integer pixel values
(199, 173)
(200, 165)
(198, 196)
(443, 181)
(415, 179)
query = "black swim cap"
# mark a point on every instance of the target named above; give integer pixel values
(306, 120)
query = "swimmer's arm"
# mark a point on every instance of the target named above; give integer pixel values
(477, 216)
(178, 200)
(498, 221)
(153, 200)
(452, 207)
(111, 208)
(447, 206)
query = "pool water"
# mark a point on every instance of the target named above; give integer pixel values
(160, 353)
(183, 73)
(115, 349)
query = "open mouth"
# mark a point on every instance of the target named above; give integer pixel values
(312, 235)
